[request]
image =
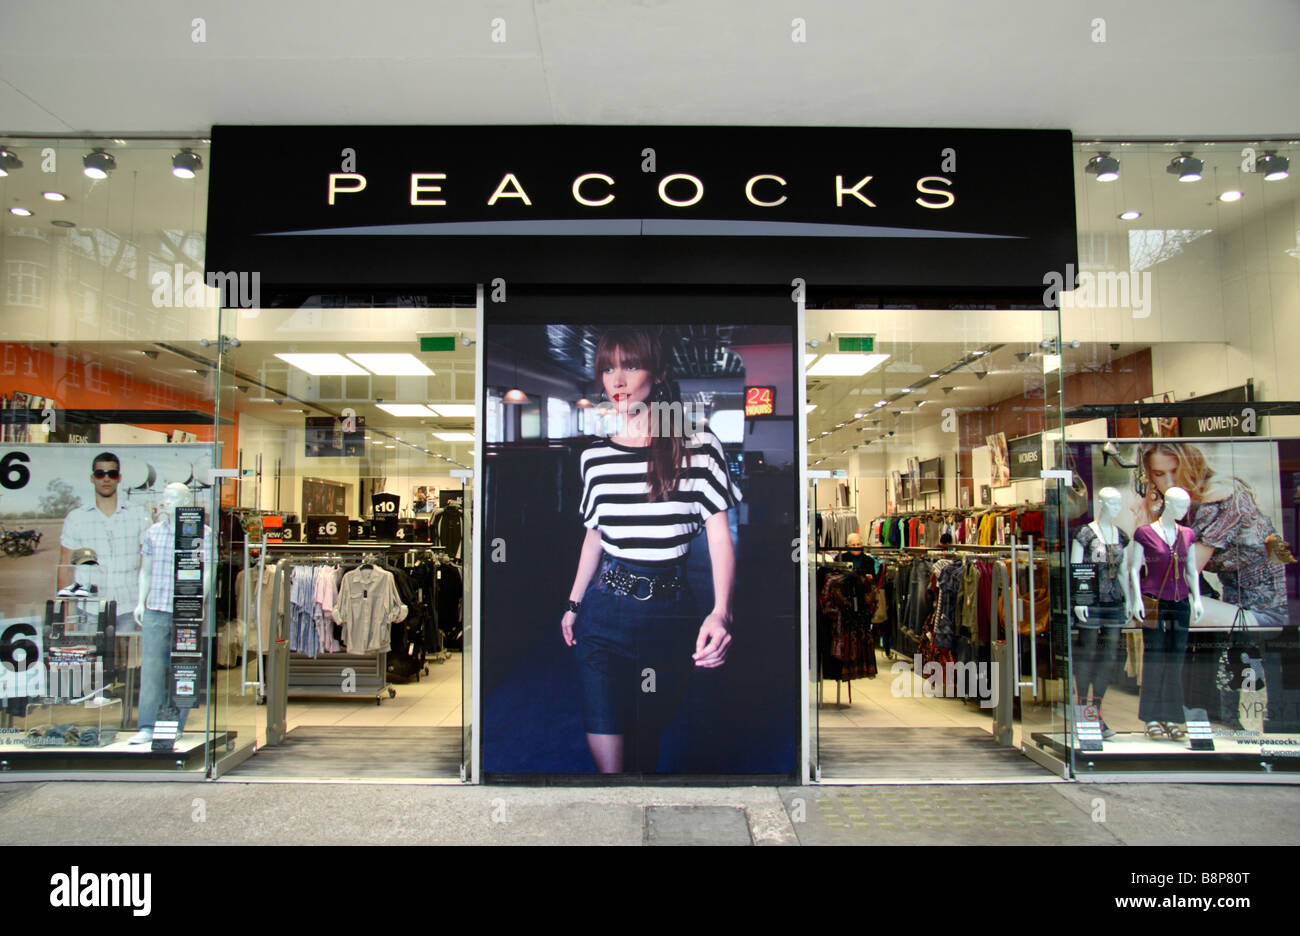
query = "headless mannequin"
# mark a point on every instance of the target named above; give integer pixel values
(156, 636)
(1164, 647)
(1110, 503)
(1177, 503)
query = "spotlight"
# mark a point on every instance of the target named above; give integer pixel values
(54, 196)
(1130, 215)
(20, 211)
(1231, 195)
(1187, 167)
(980, 375)
(97, 164)
(1104, 166)
(1275, 167)
(1022, 356)
(8, 160)
(186, 164)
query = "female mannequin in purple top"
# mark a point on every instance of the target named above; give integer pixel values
(1162, 563)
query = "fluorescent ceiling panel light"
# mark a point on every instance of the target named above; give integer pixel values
(455, 436)
(847, 365)
(324, 365)
(453, 410)
(405, 409)
(811, 407)
(808, 358)
(393, 365)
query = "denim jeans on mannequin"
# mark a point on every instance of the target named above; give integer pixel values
(1164, 649)
(155, 664)
(1097, 655)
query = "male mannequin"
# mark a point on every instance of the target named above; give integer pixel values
(1162, 563)
(1102, 544)
(154, 611)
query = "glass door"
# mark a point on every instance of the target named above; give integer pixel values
(814, 673)
(1044, 700)
(346, 431)
(467, 720)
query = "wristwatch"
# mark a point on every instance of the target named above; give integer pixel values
(573, 605)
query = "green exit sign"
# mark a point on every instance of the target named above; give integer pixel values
(859, 344)
(437, 343)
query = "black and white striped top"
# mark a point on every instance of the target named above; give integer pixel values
(615, 499)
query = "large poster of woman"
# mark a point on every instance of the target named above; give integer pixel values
(640, 594)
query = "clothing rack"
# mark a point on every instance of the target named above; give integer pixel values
(323, 676)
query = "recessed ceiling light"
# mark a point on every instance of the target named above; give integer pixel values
(404, 409)
(847, 365)
(978, 353)
(324, 365)
(1231, 195)
(390, 445)
(20, 211)
(63, 224)
(858, 415)
(455, 436)
(907, 389)
(935, 376)
(54, 196)
(880, 403)
(460, 410)
(1130, 215)
(393, 365)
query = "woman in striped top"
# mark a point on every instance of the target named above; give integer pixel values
(647, 492)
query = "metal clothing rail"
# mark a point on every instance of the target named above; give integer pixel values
(333, 675)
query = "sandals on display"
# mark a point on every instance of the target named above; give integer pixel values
(1176, 732)
(1155, 731)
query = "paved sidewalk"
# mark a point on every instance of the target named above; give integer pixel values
(231, 813)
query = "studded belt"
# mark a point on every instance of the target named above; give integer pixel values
(641, 587)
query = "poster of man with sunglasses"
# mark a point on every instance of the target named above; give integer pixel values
(112, 528)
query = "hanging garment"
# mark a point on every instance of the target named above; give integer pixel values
(844, 610)
(367, 604)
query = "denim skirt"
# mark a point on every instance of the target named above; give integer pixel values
(634, 656)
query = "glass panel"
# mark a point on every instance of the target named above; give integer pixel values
(344, 436)
(104, 311)
(936, 442)
(1180, 378)
(467, 639)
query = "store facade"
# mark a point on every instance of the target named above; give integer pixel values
(400, 352)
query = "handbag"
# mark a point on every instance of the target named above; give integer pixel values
(1042, 605)
(1241, 655)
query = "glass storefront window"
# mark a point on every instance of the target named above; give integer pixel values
(1180, 399)
(108, 590)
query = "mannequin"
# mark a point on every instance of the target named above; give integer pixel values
(1162, 563)
(154, 611)
(1102, 544)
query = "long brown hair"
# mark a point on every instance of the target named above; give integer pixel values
(1193, 474)
(637, 347)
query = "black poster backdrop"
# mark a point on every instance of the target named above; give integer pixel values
(739, 718)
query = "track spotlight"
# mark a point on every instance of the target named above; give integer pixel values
(1275, 167)
(980, 375)
(186, 164)
(1187, 167)
(1104, 166)
(8, 161)
(98, 163)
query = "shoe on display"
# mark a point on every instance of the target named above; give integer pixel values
(78, 590)
(1107, 732)
(143, 736)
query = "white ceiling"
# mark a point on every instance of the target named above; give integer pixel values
(1195, 68)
